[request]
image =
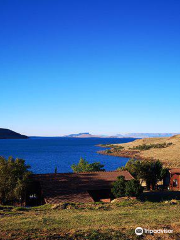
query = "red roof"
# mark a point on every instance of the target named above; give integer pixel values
(73, 187)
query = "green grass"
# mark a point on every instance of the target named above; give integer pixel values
(97, 219)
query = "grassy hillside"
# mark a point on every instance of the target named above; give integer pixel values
(166, 149)
(92, 221)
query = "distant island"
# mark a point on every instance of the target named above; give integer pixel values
(9, 134)
(88, 135)
(84, 135)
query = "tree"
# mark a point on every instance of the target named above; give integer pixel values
(84, 166)
(118, 189)
(135, 168)
(96, 167)
(133, 188)
(149, 171)
(14, 176)
(152, 172)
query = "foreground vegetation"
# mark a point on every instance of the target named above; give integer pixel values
(90, 221)
(93, 221)
(14, 179)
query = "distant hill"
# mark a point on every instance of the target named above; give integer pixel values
(78, 134)
(146, 135)
(125, 135)
(84, 135)
(165, 149)
(88, 135)
(9, 134)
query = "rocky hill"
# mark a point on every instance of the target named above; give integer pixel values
(9, 134)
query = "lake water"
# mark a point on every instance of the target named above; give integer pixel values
(45, 154)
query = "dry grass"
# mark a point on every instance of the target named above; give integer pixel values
(122, 218)
(170, 156)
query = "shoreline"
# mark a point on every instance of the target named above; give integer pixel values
(124, 154)
(166, 150)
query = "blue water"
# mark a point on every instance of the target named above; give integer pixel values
(44, 154)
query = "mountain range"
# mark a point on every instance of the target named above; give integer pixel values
(9, 134)
(125, 135)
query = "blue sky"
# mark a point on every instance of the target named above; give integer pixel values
(96, 66)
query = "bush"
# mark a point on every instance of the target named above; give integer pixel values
(123, 188)
(133, 188)
(21, 209)
(108, 151)
(118, 189)
(117, 148)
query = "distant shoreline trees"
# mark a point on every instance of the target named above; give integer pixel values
(147, 147)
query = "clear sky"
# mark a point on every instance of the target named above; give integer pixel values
(99, 66)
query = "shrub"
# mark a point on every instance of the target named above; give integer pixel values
(133, 188)
(123, 188)
(21, 209)
(118, 148)
(108, 151)
(118, 189)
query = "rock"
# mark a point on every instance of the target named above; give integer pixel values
(116, 200)
(173, 201)
(55, 206)
(61, 206)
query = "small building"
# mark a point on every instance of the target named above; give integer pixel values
(72, 187)
(174, 177)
